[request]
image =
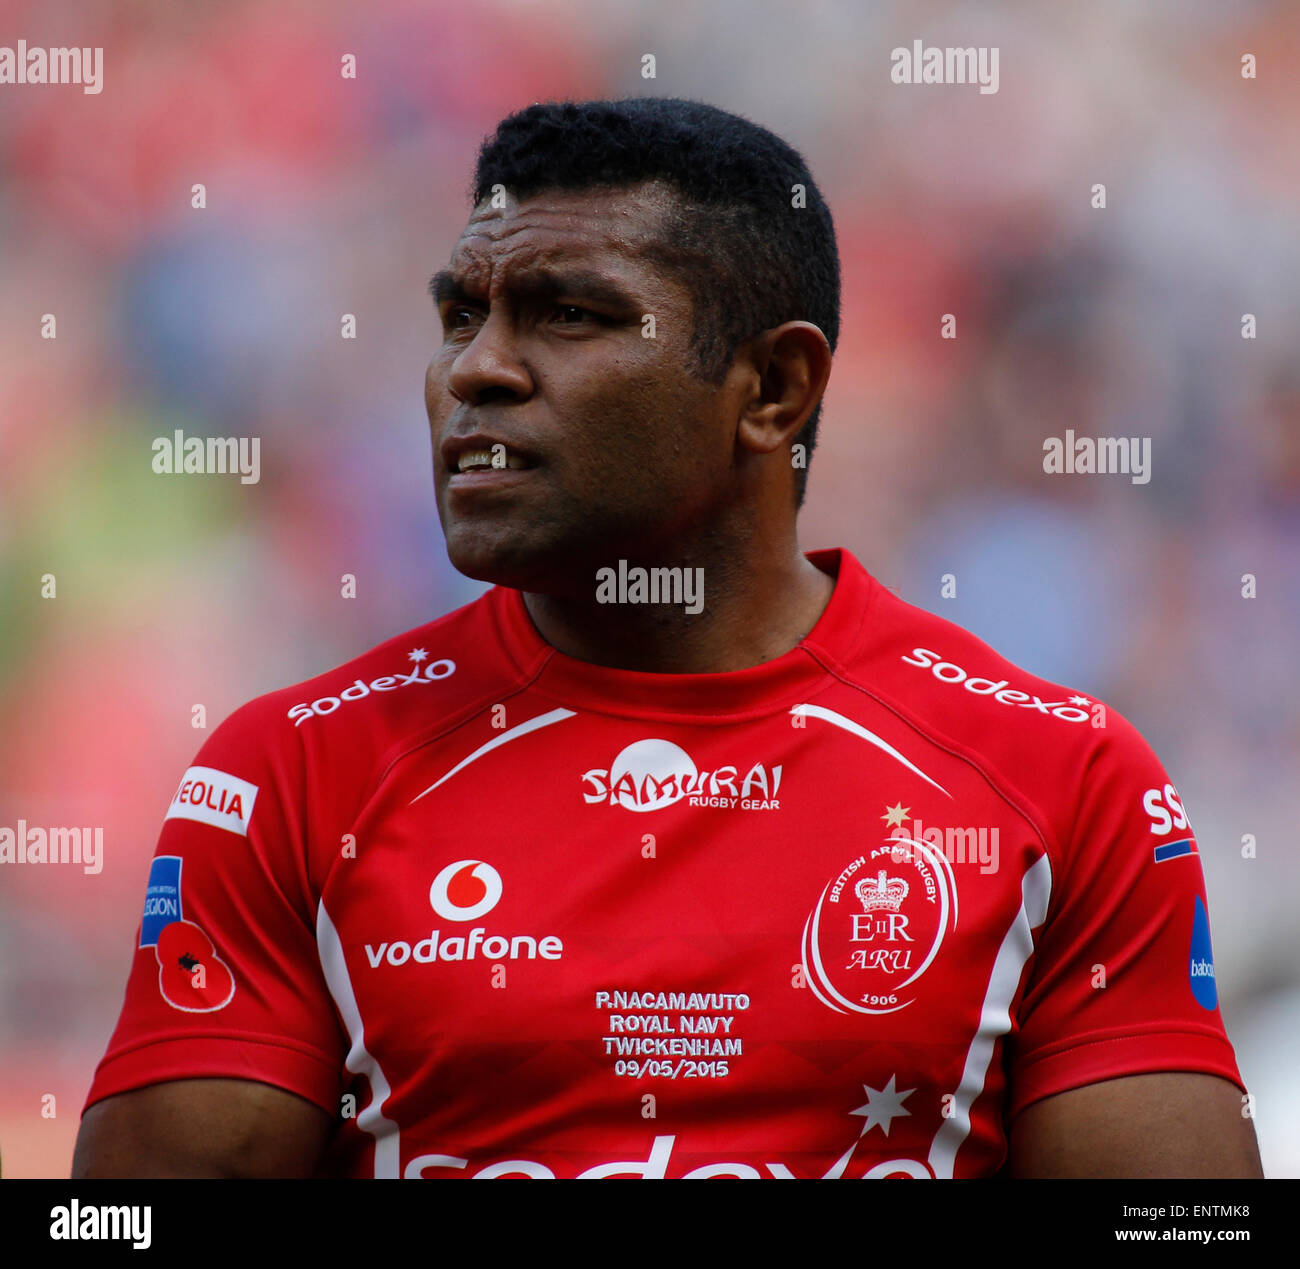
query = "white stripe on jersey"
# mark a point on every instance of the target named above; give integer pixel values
(388, 1155)
(995, 1014)
(817, 711)
(542, 720)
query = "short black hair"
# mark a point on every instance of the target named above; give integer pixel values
(752, 250)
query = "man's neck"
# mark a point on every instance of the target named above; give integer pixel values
(754, 609)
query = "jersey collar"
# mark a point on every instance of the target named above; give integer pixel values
(761, 689)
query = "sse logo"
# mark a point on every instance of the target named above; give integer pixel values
(1167, 814)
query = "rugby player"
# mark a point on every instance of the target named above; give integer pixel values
(680, 852)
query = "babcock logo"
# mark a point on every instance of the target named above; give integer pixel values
(465, 890)
(1200, 960)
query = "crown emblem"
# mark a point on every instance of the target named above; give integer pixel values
(881, 895)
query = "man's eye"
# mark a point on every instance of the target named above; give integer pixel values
(569, 313)
(459, 318)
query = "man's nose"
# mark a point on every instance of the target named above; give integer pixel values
(489, 366)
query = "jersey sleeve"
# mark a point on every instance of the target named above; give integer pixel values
(1122, 979)
(225, 977)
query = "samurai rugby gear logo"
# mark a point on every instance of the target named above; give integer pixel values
(651, 774)
(877, 927)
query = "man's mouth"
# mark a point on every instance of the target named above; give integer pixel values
(496, 459)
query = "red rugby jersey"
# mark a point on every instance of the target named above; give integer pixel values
(506, 913)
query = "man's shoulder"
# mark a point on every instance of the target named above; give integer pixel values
(410, 685)
(947, 671)
(1029, 733)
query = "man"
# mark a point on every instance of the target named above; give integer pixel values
(680, 852)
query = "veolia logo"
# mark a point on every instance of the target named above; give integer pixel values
(465, 890)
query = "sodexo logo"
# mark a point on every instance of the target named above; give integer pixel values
(465, 890)
(999, 689)
(357, 690)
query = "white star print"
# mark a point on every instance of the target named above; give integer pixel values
(417, 655)
(883, 1104)
(1079, 700)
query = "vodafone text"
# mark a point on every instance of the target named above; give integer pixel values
(495, 947)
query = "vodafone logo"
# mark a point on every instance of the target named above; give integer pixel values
(465, 890)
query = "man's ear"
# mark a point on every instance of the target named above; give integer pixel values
(790, 365)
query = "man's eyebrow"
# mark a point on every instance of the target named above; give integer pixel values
(545, 283)
(535, 284)
(444, 286)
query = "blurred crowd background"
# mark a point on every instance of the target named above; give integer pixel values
(328, 196)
